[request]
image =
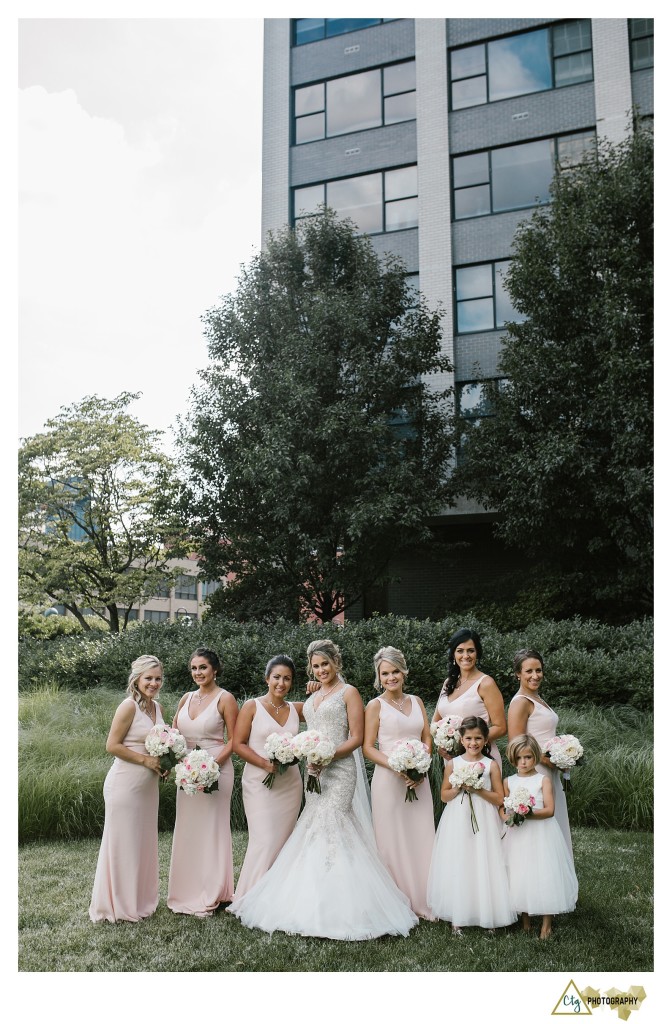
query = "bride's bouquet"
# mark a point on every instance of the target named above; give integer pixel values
(518, 805)
(445, 733)
(167, 744)
(317, 751)
(469, 773)
(198, 772)
(279, 749)
(564, 752)
(410, 757)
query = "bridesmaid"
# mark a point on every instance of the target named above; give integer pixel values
(201, 864)
(126, 886)
(271, 813)
(468, 692)
(528, 713)
(404, 831)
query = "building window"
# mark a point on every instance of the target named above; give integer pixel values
(162, 590)
(185, 588)
(473, 405)
(514, 177)
(132, 615)
(308, 30)
(481, 299)
(210, 587)
(641, 43)
(354, 103)
(383, 201)
(151, 616)
(546, 58)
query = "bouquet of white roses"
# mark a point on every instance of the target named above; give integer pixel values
(469, 773)
(564, 752)
(445, 733)
(167, 744)
(279, 749)
(198, 772)
(317, 751)
(410, 757)
(518, 804)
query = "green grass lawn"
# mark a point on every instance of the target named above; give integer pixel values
(611, 929)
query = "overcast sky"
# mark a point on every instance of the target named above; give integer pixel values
(140, 197)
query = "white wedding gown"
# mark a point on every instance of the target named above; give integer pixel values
(328, 879)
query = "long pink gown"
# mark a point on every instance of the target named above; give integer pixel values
(404, 831)
(469, 703)
(201, 863)
(271, 813)
(126, 886)
(543, 724)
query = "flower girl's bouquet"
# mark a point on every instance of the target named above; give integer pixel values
(565, 752)
(469, 773)
(198, 772)
(411, 758)
(518, 805)
(279, 749)
(167, 744)
(445, 733)
(316, 750)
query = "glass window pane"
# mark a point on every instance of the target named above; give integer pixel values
(469, 92)
(473, 401)
(519, 65)
(360, 199)
(473, 282)
(467, 62)
(399, 78)
(337, 26)
(309, 100)
(401, 183)
(309, 29)
(400, 108)
(401, 214)
(640, 27)
(573, 36)
(573, 149)
(470, 170)
(642, 54)
(503, 306)
(310, 128)
(578, 67)
(472, 202)
(353, 103)
(521, 175)
(475, 315)
(307, 200)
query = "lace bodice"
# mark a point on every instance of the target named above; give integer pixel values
(330, 717)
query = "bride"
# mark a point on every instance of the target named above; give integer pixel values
(330, 857)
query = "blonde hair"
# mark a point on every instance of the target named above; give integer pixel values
(395, 657)
(140, 665)
(329, 650)
(520, 743)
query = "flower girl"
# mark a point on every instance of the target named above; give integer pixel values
(467, 878)
(541, 873)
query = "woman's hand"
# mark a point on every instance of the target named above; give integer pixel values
(315, 769)
(312, 686)
(154, 765)
(271, 767)
(412, 783)
(443, 753)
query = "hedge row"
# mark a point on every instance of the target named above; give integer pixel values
(587, 662)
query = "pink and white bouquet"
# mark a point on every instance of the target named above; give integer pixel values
(167, 744)
(445, 733)
(564, 752)
(317, 751)
(518, 804)
(198, 772)
(469, 773)
(410, 757)
(279, 749)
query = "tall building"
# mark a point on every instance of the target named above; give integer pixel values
(437, 137)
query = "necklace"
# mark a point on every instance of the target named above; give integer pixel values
(397, 703)
(276, 707)
(200, 697)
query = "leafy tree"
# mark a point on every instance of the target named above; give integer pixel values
(566, 459)
(96, 527)
(317, 445)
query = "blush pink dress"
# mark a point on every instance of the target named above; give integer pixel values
(404, 831)
(469, 703)
(126, 886)
(271, 813)
(543, 724)
(201, 863)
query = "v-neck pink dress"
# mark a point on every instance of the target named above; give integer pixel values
(126, 886)
(469, 703)
(404, 830)
(201, 863)
(271, 813)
